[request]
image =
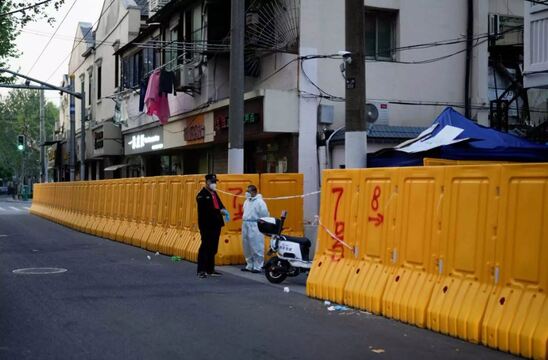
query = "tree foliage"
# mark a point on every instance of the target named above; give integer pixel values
(12, 23)
(20, 115)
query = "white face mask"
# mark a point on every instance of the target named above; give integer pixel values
(247, 195)
(213, 186)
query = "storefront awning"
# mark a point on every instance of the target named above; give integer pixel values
(116, 167)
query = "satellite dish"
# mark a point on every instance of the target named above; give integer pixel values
(371, 112)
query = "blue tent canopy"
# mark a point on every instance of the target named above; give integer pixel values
(484, 144)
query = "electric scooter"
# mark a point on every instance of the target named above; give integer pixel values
(291, 253)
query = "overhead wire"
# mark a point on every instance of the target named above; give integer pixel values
(86, 34)
(51, 37)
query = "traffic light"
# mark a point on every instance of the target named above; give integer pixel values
(20, 142)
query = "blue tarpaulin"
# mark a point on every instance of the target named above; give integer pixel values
(484, 144)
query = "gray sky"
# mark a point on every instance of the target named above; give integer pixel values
(35, 36)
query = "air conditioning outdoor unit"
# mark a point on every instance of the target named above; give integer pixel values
(378, 112)
(188, 79)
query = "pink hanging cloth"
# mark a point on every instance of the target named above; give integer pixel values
(156, 102)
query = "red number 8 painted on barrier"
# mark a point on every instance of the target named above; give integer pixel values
(375, 199)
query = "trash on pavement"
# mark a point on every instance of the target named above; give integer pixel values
(327, 303)
(157, 253)
(331, 308)
(378, 351)
(148, 257)
(286, 289)
(176, 258)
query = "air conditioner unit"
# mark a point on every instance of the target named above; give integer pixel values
(155, 5)
(186, 77)
(378, 112)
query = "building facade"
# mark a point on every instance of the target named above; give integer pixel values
(294, 91)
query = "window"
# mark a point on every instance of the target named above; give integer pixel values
(99, 77)
(90, 81)
(132, 70)
(116, 71)
(380, 34)
(82, 85)
(171, 52)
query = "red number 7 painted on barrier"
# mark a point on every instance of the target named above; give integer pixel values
(337, 247)
(238, 208)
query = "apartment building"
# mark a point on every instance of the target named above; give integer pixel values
(294, 90)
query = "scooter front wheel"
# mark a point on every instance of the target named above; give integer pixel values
(275, 271)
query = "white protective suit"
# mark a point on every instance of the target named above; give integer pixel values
(253, 241)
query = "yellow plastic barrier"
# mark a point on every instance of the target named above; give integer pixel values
(516, 318)
(334, 261)
(459, 249)
(230, 243)
(468, 231)
(159, 213)
(135, 204)
(159, 231)
(375, 233)
(185, 237)
(417, 238)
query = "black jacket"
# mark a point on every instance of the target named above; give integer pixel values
(208, 216)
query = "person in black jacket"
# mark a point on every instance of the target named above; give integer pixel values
(210, 222)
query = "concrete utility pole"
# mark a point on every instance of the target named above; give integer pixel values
(83, 137)
(43, 164)
(72, 136)
(236, 107)
(355, 137)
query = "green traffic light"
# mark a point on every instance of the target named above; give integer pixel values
(20, 147)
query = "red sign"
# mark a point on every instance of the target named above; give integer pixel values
(194, 132)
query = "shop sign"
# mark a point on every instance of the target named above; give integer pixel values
(221, 121)
(143, 142)
(194, 132)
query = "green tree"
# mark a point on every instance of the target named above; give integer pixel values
(14, 15)
(20, 114)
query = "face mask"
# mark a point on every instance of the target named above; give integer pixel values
(213, 186)
(247, 195)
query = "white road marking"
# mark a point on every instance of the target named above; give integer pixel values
(26, 207)
(14, 208)
(2, 209)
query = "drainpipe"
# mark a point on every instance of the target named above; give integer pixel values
(469, 46)
(328, 148)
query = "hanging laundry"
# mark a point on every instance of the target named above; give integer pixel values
(143, 84)
(156, 102)
(167, 82)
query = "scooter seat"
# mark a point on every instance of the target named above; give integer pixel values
(304, 244)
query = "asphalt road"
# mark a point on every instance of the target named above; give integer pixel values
(113, 302)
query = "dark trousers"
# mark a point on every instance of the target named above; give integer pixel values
(208, 249)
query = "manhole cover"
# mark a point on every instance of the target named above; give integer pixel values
(39, 271)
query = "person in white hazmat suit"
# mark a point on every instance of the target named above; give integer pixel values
(253, 241)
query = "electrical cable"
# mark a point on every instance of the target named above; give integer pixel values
(51, 37)
(86, 34)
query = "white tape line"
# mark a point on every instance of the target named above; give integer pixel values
(333, 236)
(272, 198)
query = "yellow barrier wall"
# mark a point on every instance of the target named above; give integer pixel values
(159, 213)
(458, 249)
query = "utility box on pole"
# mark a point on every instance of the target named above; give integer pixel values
(355, 136)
